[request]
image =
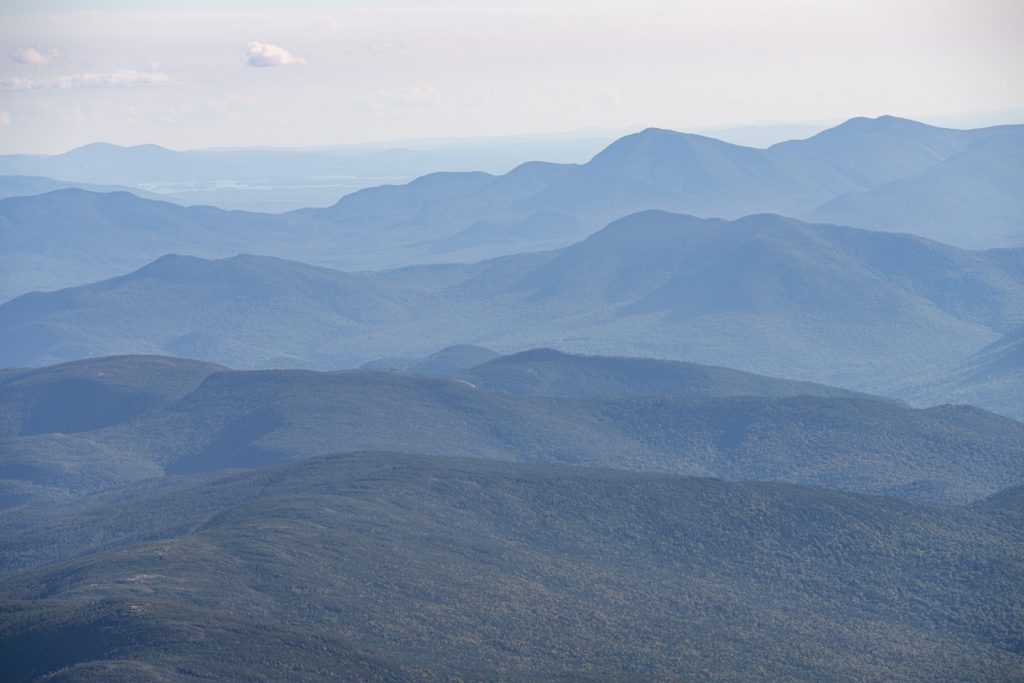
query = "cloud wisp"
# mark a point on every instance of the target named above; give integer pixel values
(264, 54)
(118, 79)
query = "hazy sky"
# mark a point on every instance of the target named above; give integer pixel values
(193, 74)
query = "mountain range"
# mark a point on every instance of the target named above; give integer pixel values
(27, 186)
(89, 426)
(275, 180)
(886, 173)
(700, 411)
(865, 310)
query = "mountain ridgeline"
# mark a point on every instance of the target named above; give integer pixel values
(887, 174)
(691, 420)
(281, 179)
(866, 310)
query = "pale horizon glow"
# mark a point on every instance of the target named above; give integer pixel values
(230, 74)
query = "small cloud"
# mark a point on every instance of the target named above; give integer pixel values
(5, 118)
(264, 54)
(35, 56)
(117, 79)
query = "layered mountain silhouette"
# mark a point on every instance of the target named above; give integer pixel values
(381, 566)
(864, 310)
(971, 199)
(282, 179)
(72, 234)
(702, 421)
(230, 448)
(993, 377)
(886, 173)
(24, 186)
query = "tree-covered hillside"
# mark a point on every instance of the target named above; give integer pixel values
(393, 564)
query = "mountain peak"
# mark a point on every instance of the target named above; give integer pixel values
(654, 135)
(648, 223)
(654, 131)
(170, 261)
(104, 150)
(95, 146)
(543, 353)
(864, 124)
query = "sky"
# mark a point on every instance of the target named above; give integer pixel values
(191, 74)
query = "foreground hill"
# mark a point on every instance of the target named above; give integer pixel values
(500, 570)
(114, 641)
(957, 186)
(764, 294)
(261, 418)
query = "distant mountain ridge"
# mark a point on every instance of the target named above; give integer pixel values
(26, 186)
(994, 376)
(763, 294)
(968, 199)
(884, 173)
(276, 180)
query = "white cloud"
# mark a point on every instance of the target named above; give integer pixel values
(117, 79)
(35, 56)
(264, 54)
(5, 118)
